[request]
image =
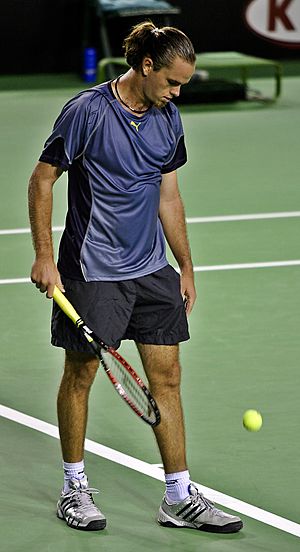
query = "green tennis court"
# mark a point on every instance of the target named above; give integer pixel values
(242, 197)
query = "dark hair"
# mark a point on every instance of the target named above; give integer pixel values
(162, 45)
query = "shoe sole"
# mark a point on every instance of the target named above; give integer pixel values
(96, 525)
(167, 521)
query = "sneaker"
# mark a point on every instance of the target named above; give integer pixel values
(78, 509)
(197, 512)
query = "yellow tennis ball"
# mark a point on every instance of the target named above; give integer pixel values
(252, 420)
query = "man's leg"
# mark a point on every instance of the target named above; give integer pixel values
(76, 505)
(182, 505)
(72, 403)
(162, 367)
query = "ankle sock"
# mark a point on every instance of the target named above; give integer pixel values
(177, 486)
(72, 470)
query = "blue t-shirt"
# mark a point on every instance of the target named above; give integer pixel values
(114, 161)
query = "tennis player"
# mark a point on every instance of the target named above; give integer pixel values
(122, 143)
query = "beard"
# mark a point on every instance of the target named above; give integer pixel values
(160, 103)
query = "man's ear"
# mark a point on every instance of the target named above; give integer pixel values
(147, 66)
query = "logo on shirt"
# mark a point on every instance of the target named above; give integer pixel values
(135, 125)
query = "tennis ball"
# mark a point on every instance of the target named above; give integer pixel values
(252, 420)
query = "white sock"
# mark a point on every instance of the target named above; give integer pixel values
(72, 470)
(177, 486)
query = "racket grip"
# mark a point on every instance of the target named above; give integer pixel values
(65, 305)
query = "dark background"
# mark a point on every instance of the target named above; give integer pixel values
(48, 35)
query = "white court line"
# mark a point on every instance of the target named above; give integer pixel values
(212, 268)
(156, 472)
(254, 216)
(243, 266)
(189, 220)
(12, 231)
(14, 281)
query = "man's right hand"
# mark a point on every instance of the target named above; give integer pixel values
(45, 275)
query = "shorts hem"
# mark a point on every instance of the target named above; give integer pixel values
(154, 339)
(74, 347)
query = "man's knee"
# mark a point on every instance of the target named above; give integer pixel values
(81, 367)
(162, 365)
(170, 378)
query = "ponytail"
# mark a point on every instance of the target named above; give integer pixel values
(162, 45)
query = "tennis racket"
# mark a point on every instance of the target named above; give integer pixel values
(123, 377)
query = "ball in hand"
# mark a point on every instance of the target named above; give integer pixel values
(252, 420)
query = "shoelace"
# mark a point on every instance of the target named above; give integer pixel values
(208, 503)
(200, 497)
(84, 497)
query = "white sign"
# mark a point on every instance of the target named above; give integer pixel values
(275, 20)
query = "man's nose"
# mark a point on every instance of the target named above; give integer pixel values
(175, 91)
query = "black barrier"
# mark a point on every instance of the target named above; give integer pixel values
(47, 36)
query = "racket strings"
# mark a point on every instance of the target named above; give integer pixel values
(128, 387)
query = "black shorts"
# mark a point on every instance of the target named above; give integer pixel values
(147, 310)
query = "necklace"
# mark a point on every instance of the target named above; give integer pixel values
(122, 101)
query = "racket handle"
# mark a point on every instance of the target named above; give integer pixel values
(65, 305)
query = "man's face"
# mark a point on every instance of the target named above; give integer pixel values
(162, 86)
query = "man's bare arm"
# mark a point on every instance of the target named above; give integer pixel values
(171, 213)
(44, 272)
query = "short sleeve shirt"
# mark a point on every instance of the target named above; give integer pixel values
(115, 163)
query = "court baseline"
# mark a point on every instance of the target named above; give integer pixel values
(155, 472)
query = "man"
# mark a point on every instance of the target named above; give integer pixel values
(121, 143)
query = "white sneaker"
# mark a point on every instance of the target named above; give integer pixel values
(197, 512)
(78, 509)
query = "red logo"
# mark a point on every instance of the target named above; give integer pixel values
(275, 20)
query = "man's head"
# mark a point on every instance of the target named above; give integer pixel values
(161, 45)
(164, 57)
